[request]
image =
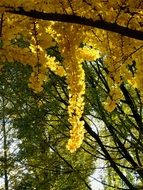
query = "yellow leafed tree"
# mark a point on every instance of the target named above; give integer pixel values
(82, 30)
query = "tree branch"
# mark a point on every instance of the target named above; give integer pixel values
(108, 157)
(101, 24)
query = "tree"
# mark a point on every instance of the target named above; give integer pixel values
(119, 135)
(40, 160)
(7, 134)
(86, 30)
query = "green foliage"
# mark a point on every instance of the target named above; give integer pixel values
(39, 122)
(39, 129)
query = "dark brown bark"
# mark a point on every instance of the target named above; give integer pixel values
(101, 24)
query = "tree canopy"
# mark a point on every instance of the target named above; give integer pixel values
(94, 52)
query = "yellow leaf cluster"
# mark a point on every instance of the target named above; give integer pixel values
(88, 54)
(114, 97)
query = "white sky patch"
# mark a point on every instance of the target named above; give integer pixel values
(97, 177)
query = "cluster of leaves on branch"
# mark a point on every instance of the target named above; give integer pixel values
(35, 23)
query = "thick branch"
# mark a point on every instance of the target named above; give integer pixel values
(112, 27)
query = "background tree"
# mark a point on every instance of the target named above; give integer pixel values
(40, 160)
(119, 137)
